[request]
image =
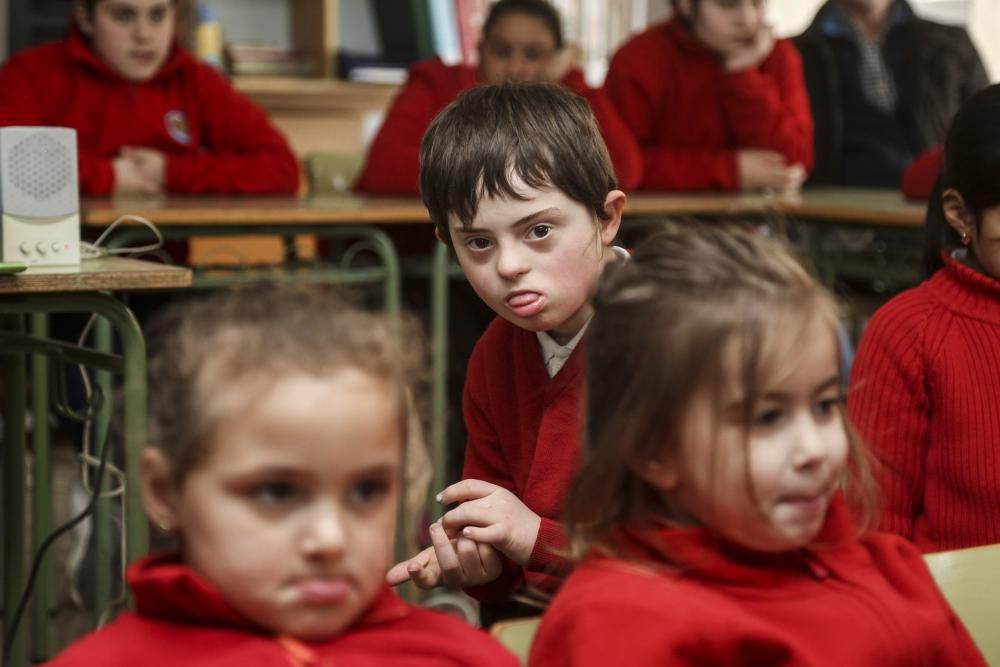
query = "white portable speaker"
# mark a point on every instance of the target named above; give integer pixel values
(39, 196)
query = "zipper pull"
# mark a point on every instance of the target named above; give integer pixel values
(814, 566)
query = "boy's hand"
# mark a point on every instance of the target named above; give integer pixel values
(130, 180)
(768, 169)
(150, 162)
(460, 563)
(753, 53)
(490, 514)
(561, 62)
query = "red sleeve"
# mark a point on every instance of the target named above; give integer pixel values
(484, 460)
(28, 95)
(767, 106)
(392, 166)
(242, 152)
(889, 406)
(634, 87)
(622, 147)
(922, 175)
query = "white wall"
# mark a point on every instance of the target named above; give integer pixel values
(984, 24)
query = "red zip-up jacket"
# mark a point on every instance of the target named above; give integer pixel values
(864, 603)
(690, 117)
(215, 139)
(392, 166)
(181, 620)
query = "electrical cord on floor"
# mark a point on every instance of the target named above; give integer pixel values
(8, 644)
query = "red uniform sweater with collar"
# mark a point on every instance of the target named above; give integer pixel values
(690, 116)
(393, 162)
(867, 603)
(524, 433)
(181, 620)
(925, 395)
(215, 139)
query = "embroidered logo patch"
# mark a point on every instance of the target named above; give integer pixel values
(176, 122)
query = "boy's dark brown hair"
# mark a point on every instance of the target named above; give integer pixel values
(493, 138)
(662, 325)
(214, 354)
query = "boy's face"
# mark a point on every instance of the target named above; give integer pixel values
(725, 26)
(290, 514)
(536, 261)
(133, 37)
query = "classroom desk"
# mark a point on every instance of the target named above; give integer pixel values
(189, 216)
(41, 291)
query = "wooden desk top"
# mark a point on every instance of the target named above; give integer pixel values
(878, 207)
(115, 274)
(234, 210)
(857, 205)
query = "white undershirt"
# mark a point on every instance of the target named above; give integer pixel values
(555, 355)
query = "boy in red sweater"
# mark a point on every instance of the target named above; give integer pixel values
(276, 453)
(714, 100)
(518, 182)
(521, 41)
(149, 118)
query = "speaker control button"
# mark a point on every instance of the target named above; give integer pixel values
(25, 248)
(40, 247)
(56, 247)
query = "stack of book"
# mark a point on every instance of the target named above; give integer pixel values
(262, 59)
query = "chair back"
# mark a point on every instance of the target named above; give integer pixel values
(970, 580)
(516, 635)
(332, 173)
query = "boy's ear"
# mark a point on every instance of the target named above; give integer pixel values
(662, 474)
(84, 20)
(437, 234)
(957, 214)
(614, 204)
(159, 492)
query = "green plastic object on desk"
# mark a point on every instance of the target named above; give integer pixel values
(12, 267)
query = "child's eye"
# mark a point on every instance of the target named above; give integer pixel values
(540, 231)
(768, 417)
(478, 244)
(158, 15)
(123, 15)
(275, 493)
(827, 406)
(368, 491)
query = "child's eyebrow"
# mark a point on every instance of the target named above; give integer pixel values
(826, 385)
(531, 217)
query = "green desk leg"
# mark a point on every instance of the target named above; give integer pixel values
(102, 510)
(439, 374)
(41, 497)
(135, 392)
(14, 404)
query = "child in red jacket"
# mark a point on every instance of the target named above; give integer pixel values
(521, 40)
(716, 501)
(714, 100)
(518, 182)
(925, 386)
(149, 118)
(276, 453)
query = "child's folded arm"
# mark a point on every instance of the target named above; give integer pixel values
(767, 107)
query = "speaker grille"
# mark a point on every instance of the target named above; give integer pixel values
(40, 166)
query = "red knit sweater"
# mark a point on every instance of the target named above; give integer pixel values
(922, 175)
(925, 394)
(524, 431)
(393, 162)
(181, 620)
(215, 139)
(868, 603)
(690, 116)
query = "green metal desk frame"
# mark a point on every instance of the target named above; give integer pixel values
(15, 345)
